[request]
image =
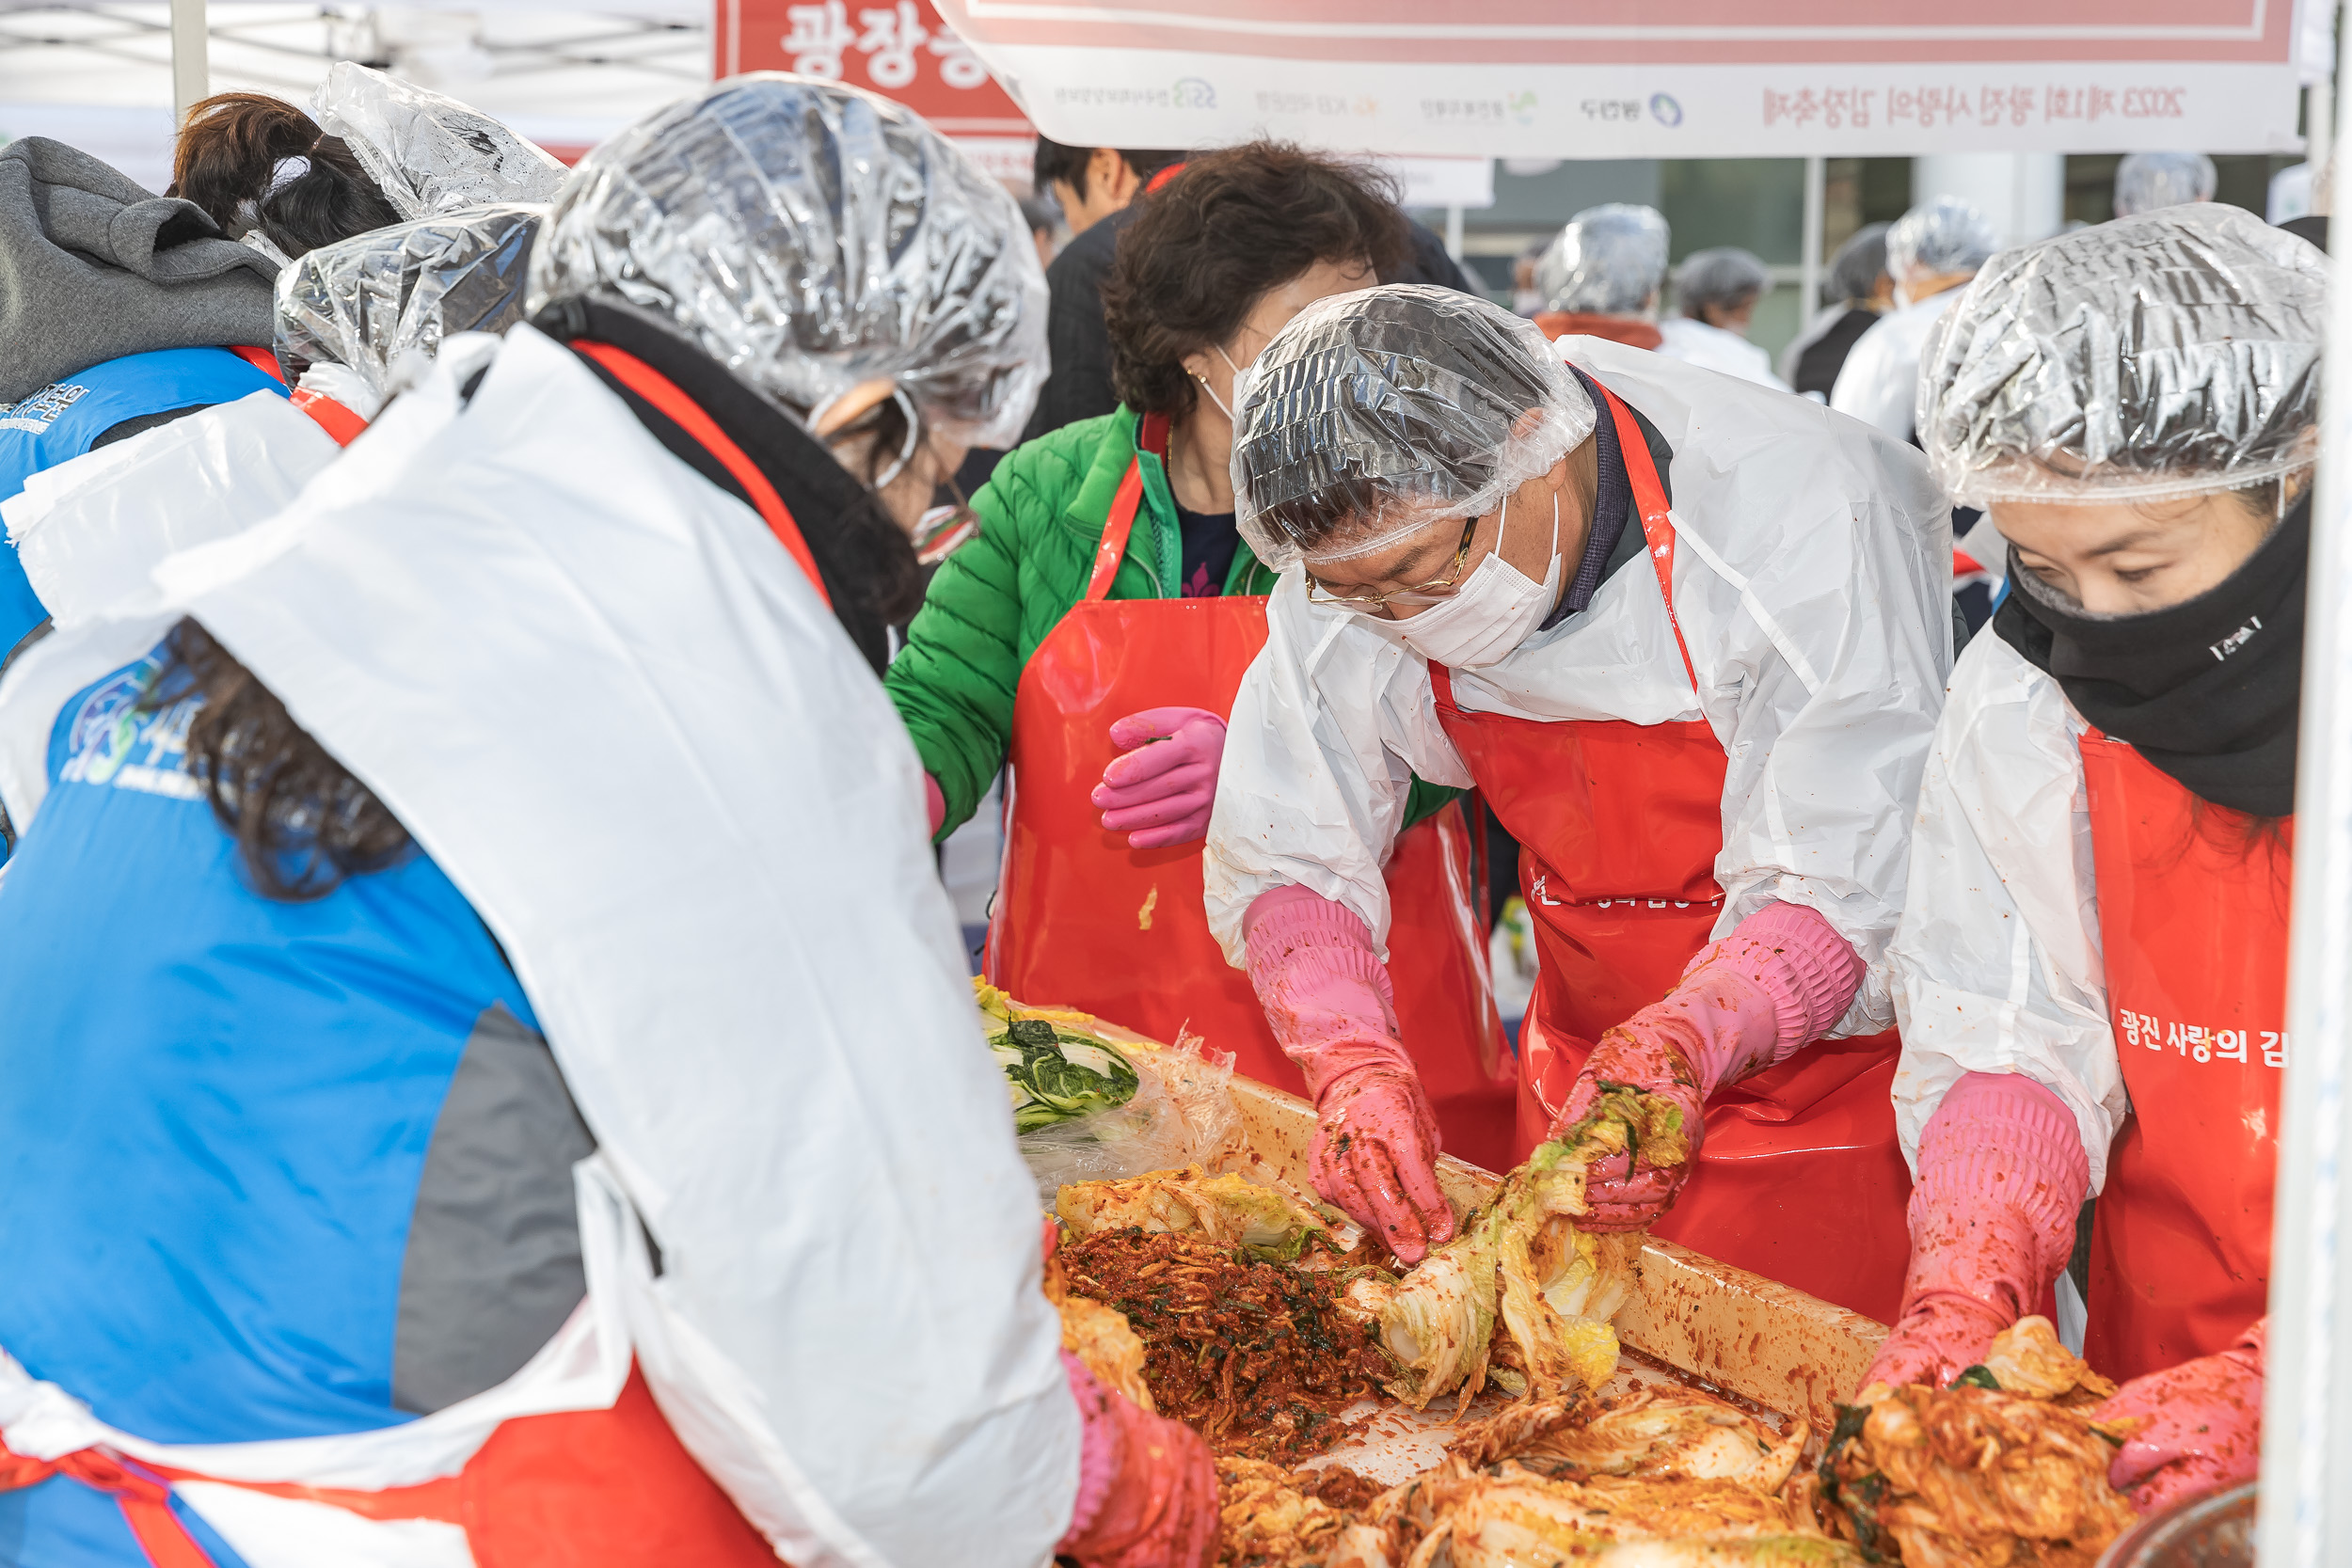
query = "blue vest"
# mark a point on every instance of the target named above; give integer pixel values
(219, 1108)
(59, 422)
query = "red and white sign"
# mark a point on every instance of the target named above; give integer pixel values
(898, 48)
(1651, 78)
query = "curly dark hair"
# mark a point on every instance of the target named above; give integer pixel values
(1210, 244)
(301, 820)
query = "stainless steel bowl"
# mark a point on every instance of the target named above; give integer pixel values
(2216, 1531)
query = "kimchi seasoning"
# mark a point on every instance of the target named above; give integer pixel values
(1255, 1356)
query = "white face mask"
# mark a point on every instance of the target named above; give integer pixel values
(1491, 614)
(1244, 376)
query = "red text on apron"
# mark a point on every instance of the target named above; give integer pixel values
(576, 1489)
(1083, 920)
(1799, 1177)
(2193, 915)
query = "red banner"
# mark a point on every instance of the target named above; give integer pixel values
(901, 49)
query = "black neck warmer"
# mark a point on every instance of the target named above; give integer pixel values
(2206, 690)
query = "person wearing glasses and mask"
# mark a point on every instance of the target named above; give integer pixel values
(1687, 637)
(1095, 633)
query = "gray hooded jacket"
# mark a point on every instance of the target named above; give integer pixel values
(92, 268)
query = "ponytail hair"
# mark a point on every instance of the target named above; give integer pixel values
(233, 159)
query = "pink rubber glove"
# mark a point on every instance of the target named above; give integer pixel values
(934, 802)
(2002, 1174)
(2202, 1425)
(1158, 790)
(1147, 1488)
(1781, 979)
(1327, 997)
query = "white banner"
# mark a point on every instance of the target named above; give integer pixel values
(1650, 78)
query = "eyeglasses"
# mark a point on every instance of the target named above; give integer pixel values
(1420, 593)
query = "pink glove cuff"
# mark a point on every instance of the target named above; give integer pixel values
(1324, 990)
(2002, 1175)
(1779, 981)
(1099, 1446)
(1810, 970)
(934, 802)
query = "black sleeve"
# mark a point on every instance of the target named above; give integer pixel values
(1429, 263)
(1078, 387)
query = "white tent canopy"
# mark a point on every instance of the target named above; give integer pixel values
(100, 77)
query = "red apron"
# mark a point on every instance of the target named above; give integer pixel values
(1082, 919)
(1799, 1177)
(2193, 916)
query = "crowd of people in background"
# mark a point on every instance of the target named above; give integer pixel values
(493, 648)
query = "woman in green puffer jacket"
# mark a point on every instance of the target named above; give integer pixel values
(1115, 725)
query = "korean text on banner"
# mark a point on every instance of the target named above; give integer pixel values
(1652, 78)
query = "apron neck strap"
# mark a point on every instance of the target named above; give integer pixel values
(1117, 527)
(1649, 498)
(688, 414)
(260, 359)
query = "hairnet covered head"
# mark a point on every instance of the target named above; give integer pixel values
(813, 237)
(364, 303)
(1608, 261)
(2147, 181)
(1939, 238)
(1725, 277)
(429, 154)
(1860, 262)
(1376, 414)
(2151, 357)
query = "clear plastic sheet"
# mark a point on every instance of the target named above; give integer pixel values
(1724, 274)
(1181, 1113)
(2147, 181)
(2151, 357)
(367, 300)
(1402, 406)
(430, 155)
(814, 237)
(1608, 260)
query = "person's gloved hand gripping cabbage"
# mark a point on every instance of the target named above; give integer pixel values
(2136, 407)
(1486, 591)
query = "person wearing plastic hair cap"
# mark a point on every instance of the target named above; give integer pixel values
(1716, 293)
(2147, 181)
(1601, 277)
(90, 533)
(2094, 998)
(1720, 612)
(349, 313)
(1932, 253)
(640, 1102)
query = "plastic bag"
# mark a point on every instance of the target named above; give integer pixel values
(1181, 1113)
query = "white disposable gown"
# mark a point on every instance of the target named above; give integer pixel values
(1695, 343)
(1812, 584)
(1880, 379)
(621, 719)
(1997, 962)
